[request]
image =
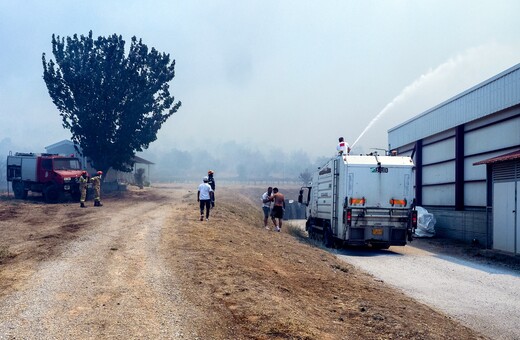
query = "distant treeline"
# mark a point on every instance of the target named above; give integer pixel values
(233, 163)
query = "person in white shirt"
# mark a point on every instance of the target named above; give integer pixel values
(266, 205)
(342, 147)
(204, 197)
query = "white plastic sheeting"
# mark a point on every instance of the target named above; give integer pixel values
(425, 223)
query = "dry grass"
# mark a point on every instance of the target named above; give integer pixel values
(259, 284)
(4, 253)
(247, 282)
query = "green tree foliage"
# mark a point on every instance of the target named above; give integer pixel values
(113, 104)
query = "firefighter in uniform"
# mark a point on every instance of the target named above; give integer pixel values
(83, 182)
(96, 183)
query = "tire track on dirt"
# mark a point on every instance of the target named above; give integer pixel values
(111, 282)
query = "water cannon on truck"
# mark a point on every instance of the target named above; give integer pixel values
(362, 200)
(52, 175)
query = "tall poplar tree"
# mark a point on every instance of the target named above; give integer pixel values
(113, 104)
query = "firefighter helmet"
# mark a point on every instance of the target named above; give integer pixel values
(210, 172)
(100, 172)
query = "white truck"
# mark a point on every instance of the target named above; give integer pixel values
(365, 200)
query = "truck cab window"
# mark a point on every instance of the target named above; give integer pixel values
(66, 164)
(47, 164)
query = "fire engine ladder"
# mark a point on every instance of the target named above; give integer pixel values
(335, 177)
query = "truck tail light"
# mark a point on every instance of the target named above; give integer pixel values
(414, 219)
(348, 217)
(397, 202)
(357, 201)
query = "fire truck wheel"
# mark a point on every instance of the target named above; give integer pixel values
(76, 196)
(19, 190)
(51, 194)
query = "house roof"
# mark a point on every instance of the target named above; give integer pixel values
(140, 160)
(502, 158)
(60, 143)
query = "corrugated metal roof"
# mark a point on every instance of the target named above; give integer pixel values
(495, 94)
(507, 157)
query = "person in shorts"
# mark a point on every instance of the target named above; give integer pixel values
(266, 205)
(278, 208)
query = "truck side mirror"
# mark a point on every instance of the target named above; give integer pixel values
(300, 197)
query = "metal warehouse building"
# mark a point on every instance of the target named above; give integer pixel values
(467, 156)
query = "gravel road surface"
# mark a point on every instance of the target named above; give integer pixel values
(483, 296)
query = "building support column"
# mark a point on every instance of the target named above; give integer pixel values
(418, 172)
(459, 168)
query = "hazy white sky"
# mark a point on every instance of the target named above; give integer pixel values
(289, 74)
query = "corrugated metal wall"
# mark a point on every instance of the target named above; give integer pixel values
(478, 124)
(484, 139)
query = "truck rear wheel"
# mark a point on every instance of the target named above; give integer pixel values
(328, 238)
(312, 232)
(19, 190)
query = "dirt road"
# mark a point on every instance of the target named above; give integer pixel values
(143, 266)
(110, 280)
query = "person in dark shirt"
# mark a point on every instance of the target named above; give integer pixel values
(211, 182)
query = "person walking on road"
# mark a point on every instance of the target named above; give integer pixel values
(204, 197)
(96, 183)
(266, 205)
(83, 182)
(278, 208)
(211, 182)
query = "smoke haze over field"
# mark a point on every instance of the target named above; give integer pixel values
(268, 75)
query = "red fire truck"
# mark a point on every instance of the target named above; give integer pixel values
(52, 175)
